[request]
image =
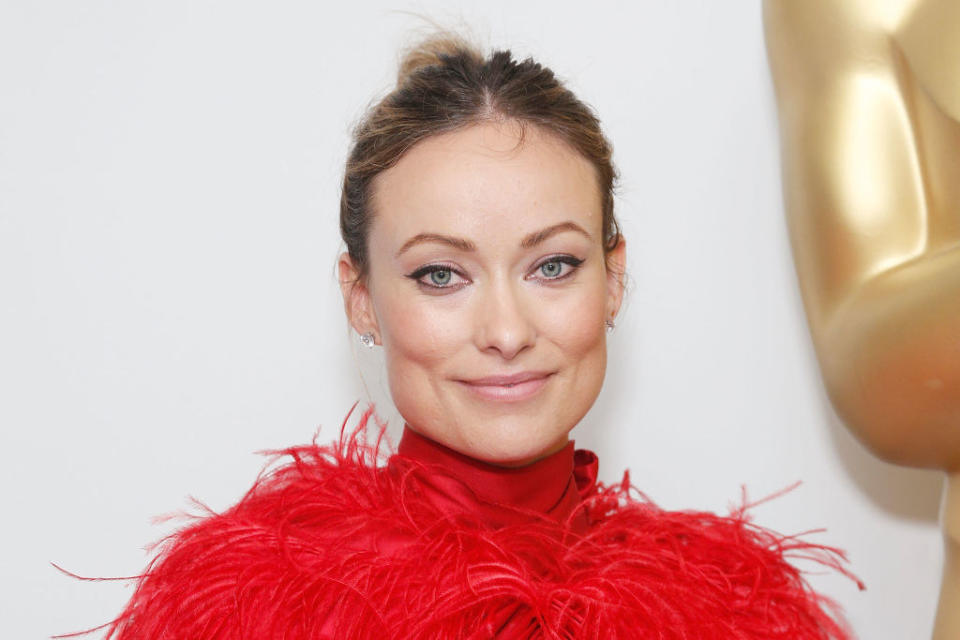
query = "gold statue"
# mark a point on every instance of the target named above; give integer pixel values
(869, 101)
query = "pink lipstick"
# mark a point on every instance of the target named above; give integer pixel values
(511, 388)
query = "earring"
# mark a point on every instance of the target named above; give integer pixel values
(366, 339)
(610, 324)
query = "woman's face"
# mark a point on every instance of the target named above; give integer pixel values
(488, 289)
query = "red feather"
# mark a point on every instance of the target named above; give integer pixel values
(336, 544)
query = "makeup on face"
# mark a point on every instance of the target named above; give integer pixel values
(489, 287)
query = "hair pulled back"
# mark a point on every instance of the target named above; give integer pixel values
(445, 84)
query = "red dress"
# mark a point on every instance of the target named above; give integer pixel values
(436, 545)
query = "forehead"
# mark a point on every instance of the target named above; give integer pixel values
(490, 179)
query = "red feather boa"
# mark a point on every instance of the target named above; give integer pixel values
(333, 545)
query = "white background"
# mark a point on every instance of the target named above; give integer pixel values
(168, 229)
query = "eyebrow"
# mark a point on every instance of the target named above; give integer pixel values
(537, 237)
(530, 240)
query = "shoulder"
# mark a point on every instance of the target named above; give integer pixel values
(819, 42)
(712, 572)
(302, 526)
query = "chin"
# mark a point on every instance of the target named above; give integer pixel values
(508, 433)
(515, 443)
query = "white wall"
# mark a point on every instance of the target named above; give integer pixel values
(168, 202)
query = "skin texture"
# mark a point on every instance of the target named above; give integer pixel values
(500, 306)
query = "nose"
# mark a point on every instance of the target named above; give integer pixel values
(504, 324)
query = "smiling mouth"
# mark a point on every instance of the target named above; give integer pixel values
(513, 388)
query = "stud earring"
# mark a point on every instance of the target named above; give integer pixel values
(366, 339)
(610, 324)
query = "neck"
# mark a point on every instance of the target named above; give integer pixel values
(548, 487)
(947, 626)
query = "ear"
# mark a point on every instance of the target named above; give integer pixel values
(616, 276)
(356, 298)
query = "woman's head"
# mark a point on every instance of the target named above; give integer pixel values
(482, 251)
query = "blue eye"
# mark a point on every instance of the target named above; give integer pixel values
(441, 277)
(438, 277)
(553, 268)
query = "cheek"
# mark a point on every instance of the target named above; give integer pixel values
(575, 323)
(420, 340)
(575, 329)
(417, 333)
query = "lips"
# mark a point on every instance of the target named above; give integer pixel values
(508, 388)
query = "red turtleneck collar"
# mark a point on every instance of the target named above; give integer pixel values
(552, 486)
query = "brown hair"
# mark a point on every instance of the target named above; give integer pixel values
(445, 84)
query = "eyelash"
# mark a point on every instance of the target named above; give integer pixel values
(433, 268)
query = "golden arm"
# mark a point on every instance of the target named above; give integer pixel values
(867, 166)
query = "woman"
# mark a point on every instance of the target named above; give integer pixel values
(483, 256)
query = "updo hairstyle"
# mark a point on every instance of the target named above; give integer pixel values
(445, 84)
